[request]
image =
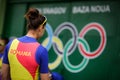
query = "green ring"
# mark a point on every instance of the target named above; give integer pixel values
(67, 64)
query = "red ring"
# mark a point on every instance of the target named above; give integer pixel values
(102, 43)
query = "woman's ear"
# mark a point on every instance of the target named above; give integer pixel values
(40, 29)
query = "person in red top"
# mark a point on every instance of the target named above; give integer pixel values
(25, 58)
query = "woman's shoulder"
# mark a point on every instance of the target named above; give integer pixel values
(41, 47)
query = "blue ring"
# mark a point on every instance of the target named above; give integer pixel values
(50, 35)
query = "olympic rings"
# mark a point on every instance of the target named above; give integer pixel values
(100, 29)
(84, 62)
(70, 46)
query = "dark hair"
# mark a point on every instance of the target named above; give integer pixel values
(34, 19)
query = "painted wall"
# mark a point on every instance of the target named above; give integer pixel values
(2, 14)
(82, 37)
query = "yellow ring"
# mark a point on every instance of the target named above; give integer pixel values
(59, 44)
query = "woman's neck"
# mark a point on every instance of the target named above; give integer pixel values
(32, 34)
